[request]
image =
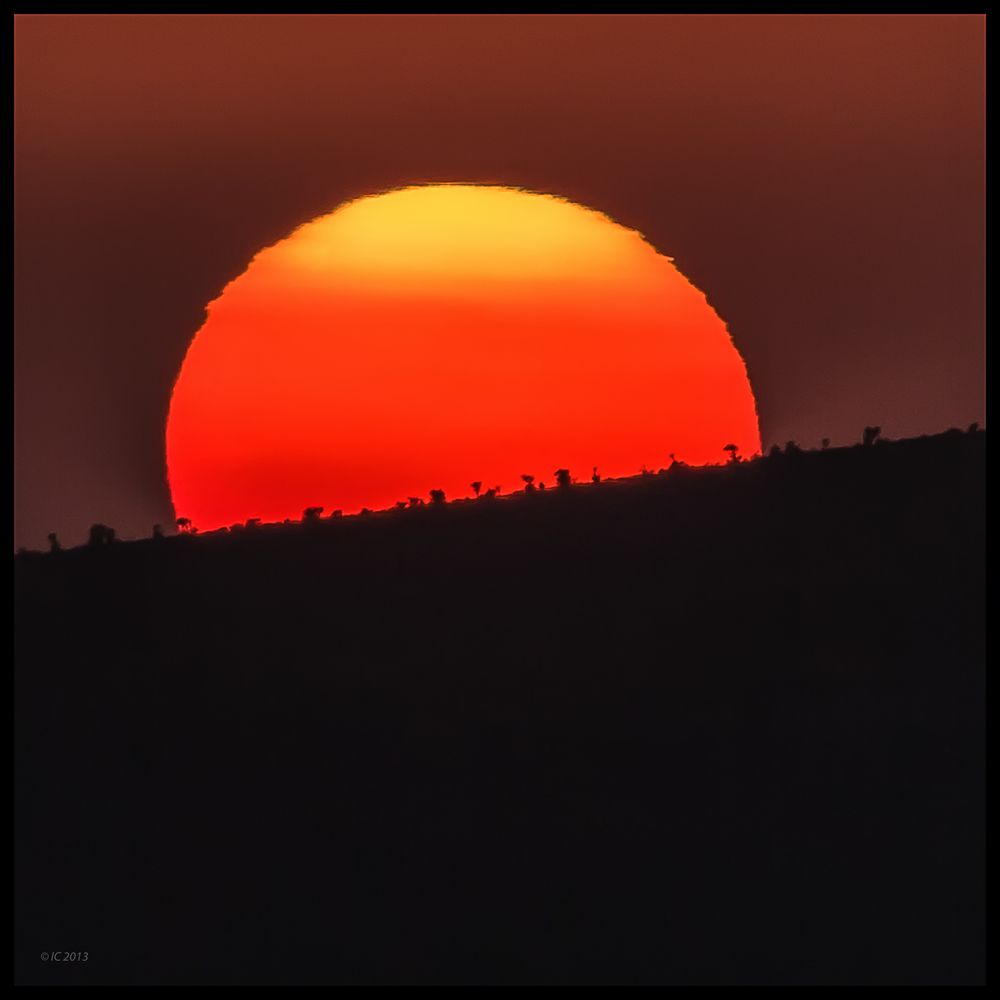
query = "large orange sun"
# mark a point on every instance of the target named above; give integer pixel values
(435, 336)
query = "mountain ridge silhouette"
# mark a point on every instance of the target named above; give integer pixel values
(720, 725)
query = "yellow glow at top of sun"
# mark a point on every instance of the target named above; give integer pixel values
(472, 234)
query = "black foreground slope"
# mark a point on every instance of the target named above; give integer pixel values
(712, 726)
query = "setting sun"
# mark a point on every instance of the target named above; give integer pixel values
(434, 336)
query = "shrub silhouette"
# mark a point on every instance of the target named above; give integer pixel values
(157, 531)
(312, 513)
(437, 497)
(476, 487)
(562, 478)
(871, 435)
(733, 450)
(973, 427)
(401, 504)
(529, 483)
(101, 534)
(54, 545)
(825, 443)
(184, 525)
(416, 502)
(252, 522)
(595, 478)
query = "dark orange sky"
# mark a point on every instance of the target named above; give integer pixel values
(821, 179)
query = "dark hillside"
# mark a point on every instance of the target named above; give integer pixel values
(717, 725)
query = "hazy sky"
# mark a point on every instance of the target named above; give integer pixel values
(820, 178)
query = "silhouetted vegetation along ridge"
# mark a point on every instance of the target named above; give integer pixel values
(710, 725)
(102, 535)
